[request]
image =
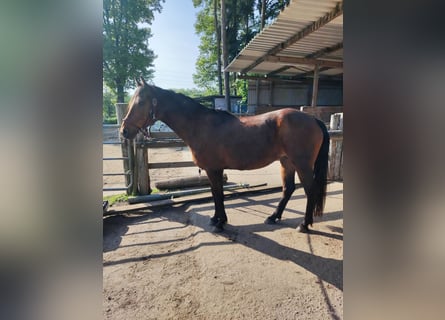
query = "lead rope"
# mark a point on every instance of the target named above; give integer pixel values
(146, 133)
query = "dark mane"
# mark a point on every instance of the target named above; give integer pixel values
(177, 97)
(180, 98)
(223, 112)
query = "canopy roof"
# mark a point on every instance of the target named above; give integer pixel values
(305, 34)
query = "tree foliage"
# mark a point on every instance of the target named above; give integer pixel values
(271, 9)
(192, 93)
(109, 104)
(206, 75)
(125, 42)
(109, 101)
(244, 21)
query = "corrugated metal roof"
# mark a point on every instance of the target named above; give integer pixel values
(305, 33)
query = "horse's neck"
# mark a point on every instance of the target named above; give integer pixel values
(182, 119)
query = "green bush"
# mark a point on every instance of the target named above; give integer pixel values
(112, 120)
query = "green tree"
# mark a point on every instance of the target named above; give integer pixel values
(242, 25)
(109, 104)
(242, 89)
(207, 71)
(269, 9)
(192, 93)
(125, 42)
(109, 101)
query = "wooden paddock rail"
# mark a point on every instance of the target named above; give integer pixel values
(138, 152)
(157, 140)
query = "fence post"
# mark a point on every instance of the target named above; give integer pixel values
(141, 167)
(335, 172)
(127, 146)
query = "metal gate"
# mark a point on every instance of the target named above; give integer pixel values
(128, 172)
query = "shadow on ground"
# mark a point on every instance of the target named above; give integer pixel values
(326, 269)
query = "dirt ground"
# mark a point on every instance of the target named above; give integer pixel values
(167, 264)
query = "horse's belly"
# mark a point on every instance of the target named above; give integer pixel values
(237, 161)
(250, 166)
(237, 155)
(252, 160)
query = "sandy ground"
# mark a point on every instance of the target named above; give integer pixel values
(167, 264)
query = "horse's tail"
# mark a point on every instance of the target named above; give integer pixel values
(321, 171)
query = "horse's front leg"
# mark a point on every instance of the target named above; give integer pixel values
(216, 183)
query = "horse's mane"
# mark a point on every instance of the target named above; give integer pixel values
(191, 103)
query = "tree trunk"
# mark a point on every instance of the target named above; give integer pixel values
(218, 45)
(225, 54)
(120, 93)
(263, 13)
(246, 40)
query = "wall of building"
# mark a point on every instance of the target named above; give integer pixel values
(266, 95)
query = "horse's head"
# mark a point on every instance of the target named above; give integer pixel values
(141, 110)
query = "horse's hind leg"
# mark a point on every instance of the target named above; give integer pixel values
(288, 179)
(216, 182)
(305, 174)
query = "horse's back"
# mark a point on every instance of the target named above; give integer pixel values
(300, 134)
(278, 115)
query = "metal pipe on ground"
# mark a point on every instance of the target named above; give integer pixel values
(177, 194)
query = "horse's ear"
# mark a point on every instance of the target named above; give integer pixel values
(137, 81)
(143, 81)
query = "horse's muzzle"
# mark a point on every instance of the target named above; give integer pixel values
(128, 132)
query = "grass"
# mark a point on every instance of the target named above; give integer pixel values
(122, 197)
(112, 120)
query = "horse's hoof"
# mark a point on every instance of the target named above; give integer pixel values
(302, 228)
(270, 220)
(218, 229)
(213, 221)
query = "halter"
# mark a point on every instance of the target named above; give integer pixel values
(152, 117)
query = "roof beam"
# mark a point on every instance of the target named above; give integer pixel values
(284, 68)
(309, 61)
(337, 11)
(273, 78)
(315, 55)
(298, 79)
(312, 71)
(324, 51)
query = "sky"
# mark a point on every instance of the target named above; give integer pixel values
(176, 45)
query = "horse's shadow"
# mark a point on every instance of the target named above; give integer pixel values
(326, 269)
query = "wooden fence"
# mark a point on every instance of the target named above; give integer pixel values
(137, 153)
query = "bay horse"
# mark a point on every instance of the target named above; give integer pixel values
(219, 140)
